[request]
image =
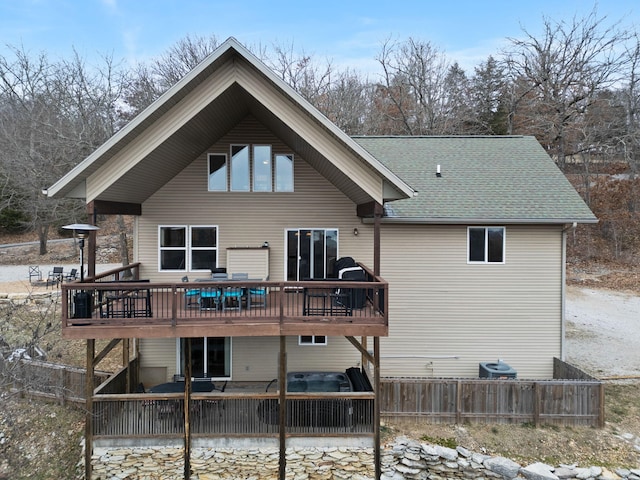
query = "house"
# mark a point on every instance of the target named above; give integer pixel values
(460, 243)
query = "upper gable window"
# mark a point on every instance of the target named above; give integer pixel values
(217, 172)
(250, 168)
(485, 244)
(284, 173)
(239, 168)
(262, 177)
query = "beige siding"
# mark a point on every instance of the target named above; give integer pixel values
(250, 219)
(254, 358)
(446, 316)
(156, 353)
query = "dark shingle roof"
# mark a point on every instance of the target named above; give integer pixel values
(497, 178)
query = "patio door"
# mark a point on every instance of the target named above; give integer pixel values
(210, 357)
(311, 253)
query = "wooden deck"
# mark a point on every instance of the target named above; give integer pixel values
(235, 308)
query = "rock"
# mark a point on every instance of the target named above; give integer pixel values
(608, 475)
(447, 453)
(538, 471)
(502, 466)
(463, 452)
(564, 472)
(430, 450)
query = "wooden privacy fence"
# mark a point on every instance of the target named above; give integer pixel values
(49, 380)
(443, 400)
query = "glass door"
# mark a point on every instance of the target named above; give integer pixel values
(311, 253)
(210, 357)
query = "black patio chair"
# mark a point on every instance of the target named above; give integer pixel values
(55, 276)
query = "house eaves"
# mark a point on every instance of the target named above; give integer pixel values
(481, 221)
(170, 133)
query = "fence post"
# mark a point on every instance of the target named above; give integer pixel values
(61, 386)
(601, 409)
(536, 404)
(459, 402)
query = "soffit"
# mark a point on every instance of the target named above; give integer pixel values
(119, 172)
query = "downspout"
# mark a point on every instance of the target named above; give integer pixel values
(563, 289)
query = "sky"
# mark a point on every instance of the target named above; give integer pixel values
(347, 32)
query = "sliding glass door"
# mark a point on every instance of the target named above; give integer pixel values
(210, 357)
(311, 253)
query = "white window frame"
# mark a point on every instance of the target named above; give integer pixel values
(230, 163)
(314, 342)
(192, 248)
(161, 248)
(187, 248)
(486, 245)
(228, 169)
(275, 172)
(252, 167)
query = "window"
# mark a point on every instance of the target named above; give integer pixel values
(217, 172)
(284, 173)
(312, 340)
(185, 248)
(251, 168)
(262, 168)
(239, 168)
(485, 244)
(173, 248)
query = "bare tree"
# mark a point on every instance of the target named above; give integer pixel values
(412, 94)
(52, 115)
(629, 93)
(149, 81)
(563, 70)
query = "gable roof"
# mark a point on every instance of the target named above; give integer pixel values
(484, 179)
(226, 87)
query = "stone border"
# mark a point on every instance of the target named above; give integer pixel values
(404, 459)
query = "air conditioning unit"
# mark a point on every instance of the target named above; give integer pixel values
(496, 370)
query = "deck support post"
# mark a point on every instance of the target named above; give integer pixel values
(187, 409)
(282, 411)
(91, 253)
(125, 361)
(378, 212)
(88, 421)
(376, 406)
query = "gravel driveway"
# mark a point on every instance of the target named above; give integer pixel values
(603, 332)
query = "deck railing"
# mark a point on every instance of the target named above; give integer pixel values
(232, 414)
(112, 301)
